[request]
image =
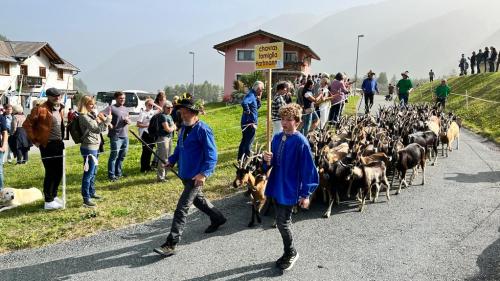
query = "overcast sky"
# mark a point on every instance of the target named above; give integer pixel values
(105, 26)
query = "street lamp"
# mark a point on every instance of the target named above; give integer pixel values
(356, 73)
(192, 53)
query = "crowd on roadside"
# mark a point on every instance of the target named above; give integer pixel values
(489, 58)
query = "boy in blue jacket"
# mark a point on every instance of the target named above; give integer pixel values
(293, 177)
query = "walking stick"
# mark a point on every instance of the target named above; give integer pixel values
(155, 154)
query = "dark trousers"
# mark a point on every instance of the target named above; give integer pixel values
(146, 153)
(472, 66)
(53, 163)
(335, 111)
(246, 141)
(441, 102)
(477, 67)
(22, 155)
(492, 66)
(190, 195)
(368, 102)
(284, 225)
(403, 99)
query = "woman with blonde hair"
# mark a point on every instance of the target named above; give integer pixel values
(91, 126)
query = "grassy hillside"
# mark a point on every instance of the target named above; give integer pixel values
(480, 116)
(134, 199)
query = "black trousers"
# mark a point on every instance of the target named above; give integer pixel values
(368, 102)
(284, 225)
(53, 163)
(22, 155)
(191, 195)
(146, 153)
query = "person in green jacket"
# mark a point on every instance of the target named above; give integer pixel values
(442, 92)
(404, 87)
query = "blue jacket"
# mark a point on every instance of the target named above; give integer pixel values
(250, 106)
(369, 86)
(293, 173)
(197, 154)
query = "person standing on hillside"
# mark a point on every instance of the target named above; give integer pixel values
(493, 58)
(472, 60)
(250, 117)
(390, 90)
(405, 87)
(486, 56)
(431, 76)
(118, 136)
(196, 157)
(463, 65)
(45, 128)
(479, 59)
(441, 94)
(370, 88)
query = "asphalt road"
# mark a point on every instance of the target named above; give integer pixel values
(445, 230)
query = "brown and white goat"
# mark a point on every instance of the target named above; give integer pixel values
(372, 174)
(249, 174)
(412, 156)
(451, 131)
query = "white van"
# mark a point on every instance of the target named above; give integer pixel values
(134, 99)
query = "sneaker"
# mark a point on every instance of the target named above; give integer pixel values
(89, 204)
(215, 225)
(59, 201)
(165, 250)
(52, 205)
(289, 260)
(95, 196)
(161, 180)
(113, 179)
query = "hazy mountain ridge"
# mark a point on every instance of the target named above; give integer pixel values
(414, 39)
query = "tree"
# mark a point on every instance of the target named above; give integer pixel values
(3, 38)
(382, 78)
(249, 78)
(206, 91)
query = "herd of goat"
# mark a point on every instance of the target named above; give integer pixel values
(356, 156)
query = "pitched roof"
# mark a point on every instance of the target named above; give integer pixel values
(13, 51)
(223, 45)
(6, 52)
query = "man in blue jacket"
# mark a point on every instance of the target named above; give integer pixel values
(369, 87)
(293, 177)
(249, 119)
(196, 156)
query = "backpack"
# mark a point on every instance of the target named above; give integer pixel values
(154, 125)
(75, 131)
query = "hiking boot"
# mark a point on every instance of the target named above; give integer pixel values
(95, 196)
(289, 260)
(215, 225)
(166, 250)
(89, 204)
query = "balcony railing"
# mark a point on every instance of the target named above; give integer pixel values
(30, 81)
(296, 66)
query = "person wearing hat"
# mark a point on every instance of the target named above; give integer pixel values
(164, 139)
(45, 129)
(442, 92)
(196, 157)
(19, 142)
(404, 87)
(370, 88)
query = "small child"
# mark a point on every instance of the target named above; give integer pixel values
(293, 177)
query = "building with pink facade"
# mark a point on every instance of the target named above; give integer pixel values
(239, 58)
